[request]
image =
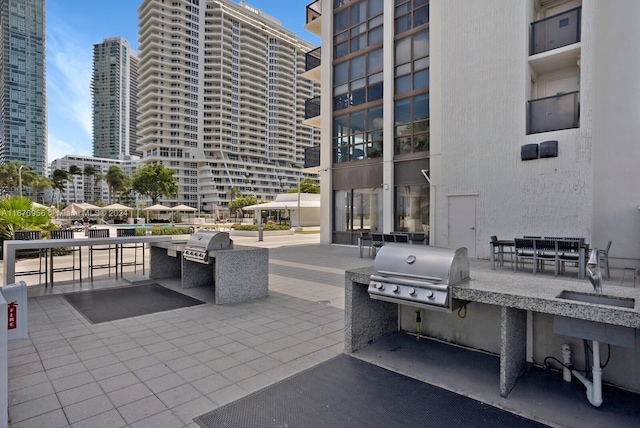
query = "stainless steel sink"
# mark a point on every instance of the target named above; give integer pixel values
(598, 299)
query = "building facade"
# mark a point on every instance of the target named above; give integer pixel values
(114, 92)
(89, 186)
(221, 100)
(23, 101)
(531, 118)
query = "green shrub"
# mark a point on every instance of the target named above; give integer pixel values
(141, 231)
(266, 227)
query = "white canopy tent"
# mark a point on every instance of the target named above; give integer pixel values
(304, 211)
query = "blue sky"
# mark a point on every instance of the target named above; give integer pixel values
(74, 26)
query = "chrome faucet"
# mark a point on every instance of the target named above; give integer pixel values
(594, 277)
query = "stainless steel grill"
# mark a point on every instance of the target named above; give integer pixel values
(418, 275)
(200, 243)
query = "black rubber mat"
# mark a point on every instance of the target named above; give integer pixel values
(346, 392)
(125, 302)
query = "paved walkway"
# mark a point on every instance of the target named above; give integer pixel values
(164, 369)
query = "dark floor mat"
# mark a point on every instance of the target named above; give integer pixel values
(347, 392)
(125, 302)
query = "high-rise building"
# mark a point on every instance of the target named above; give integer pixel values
(114, 93)
(23, 101)
(472, 119)
(89, 186)
(221, 99)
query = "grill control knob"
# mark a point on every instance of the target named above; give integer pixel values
(379, 286)
(411, 291)
(395, 288)
(430, 294)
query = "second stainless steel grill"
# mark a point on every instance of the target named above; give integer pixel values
(417, 275)
(200, 243)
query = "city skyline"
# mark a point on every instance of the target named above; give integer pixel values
(72, 30)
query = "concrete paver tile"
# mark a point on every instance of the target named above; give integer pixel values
(30, 409)
(129, 394)
(53, 419)
(108, 419)
(164, 419)
(141, 409)
(88, 408)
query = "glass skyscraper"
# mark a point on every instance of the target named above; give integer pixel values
(23, 109)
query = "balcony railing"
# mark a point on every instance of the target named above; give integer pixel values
(556, 31)
(312, 157)
(314, 10)
(312, 59)
(554, 113)
(312, 108)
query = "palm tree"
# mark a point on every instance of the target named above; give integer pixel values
(59, 177)
(9, 175)
(234, 193)
(117, 181)
(39, 182)
(89, 172)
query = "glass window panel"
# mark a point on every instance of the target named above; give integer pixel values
(403, 111)
(374, 150)
(357, 121)
(412, 208)
(375, 78)
(341, 102)
(340, 125)
(358, 30)
(421, 79)
(403, 51)
(358, 13)
(420, 16)
(358, 43)
(418, 3)
(421, 63)
(342, 155)
(342, 37)
(374, 92)
(420, 143)
(373, 23)
(421, 107)
(421, 126)
(341, 50)
(375, 62)
(403, 84)
(358, 68)
(357, 84)
(357, 152)
(340, 73)
(358, 97)
(403, 145)
(375, 8)
(403, 130)
(403, 24)
(421, 44)
(341, 21)
(375, 36)
(403, 69)
(342, 89)
(374, 118)
(402, 9)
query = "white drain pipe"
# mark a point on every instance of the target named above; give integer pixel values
(594, 388)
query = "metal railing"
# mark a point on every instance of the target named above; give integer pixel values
(556, 31)
(554, 113)
(312, 108)
(312, 59)
(314, 10)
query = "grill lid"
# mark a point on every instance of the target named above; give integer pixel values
(201, 242)
(418, 275)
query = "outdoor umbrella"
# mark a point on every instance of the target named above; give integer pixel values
(156, 207)
(183, 208)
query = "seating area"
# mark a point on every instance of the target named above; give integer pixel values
(545, 250)
(373, 241)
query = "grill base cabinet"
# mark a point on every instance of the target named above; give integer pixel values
(236, 274)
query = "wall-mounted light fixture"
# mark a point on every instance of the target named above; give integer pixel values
(385, 186)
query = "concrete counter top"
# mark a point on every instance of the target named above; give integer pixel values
(537, 294)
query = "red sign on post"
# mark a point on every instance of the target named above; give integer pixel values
(12, 313)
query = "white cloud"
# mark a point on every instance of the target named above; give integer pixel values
(58, 148)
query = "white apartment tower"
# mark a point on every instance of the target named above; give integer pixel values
(221, 99)
(115, 96)
(482, 118)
